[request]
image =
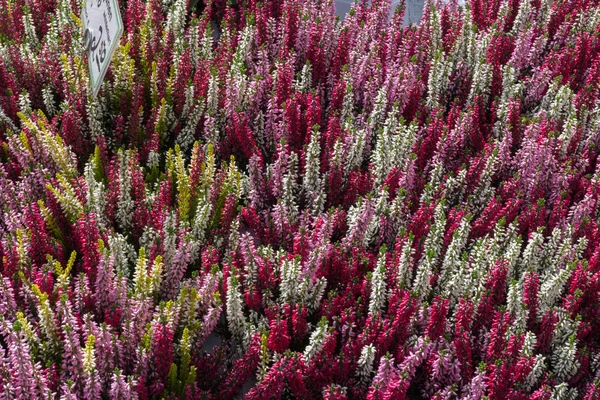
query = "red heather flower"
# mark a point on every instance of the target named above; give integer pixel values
(299, 323)
(279, 338)
(419, 224)
(184, 75)
(292, 120)
(45, 281)
(242, 369)
(272, 385)
(252, 298)
(495, 292)
(87, 236)
(497, 342)
(334, 392)
(161, 205)
(522, 368)
(437, 318)
(141, 389)
(531, 287)
(487, 221)
(70, 131)
(241, 137)
(546, 330)
(41, 242)
(359, 184)
(315, 53)
(141, 215)
(285, 77)
(162, 354)
(113, 317)
(583, 290)
(543, 393)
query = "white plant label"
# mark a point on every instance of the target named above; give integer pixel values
(103, 26)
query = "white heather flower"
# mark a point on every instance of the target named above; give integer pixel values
(312, 183)
(482, 78)
(4, 118)
(382, 156)
(381, 209)
(528, 344)
(435, 178)
(290, 187)
(213, 94)
(458, 282)
(186, 137)
(539, 366)
(593, 19)
(511, 89)
(376, 118)
(484, 191)
(403, 144)
(532, 253)
(48, 98)
(437, 83)
(512, 253)
(347, 116)
(290, 276)
(317, 338)
(564, 363)
(176, 24)
(378, 286)
(464, 47)
(304, 81)
(563, 392)
(476, 276)
(365, 362)
(94, 110)
(32, 40)
(312, 294)
(523, 17)
(452, 258)
(516, 306)
(25, 103)
(235, 315)
(558, 101)
(552, 288)
(455, 187)
(123, 252)
(431, 249)
(95, 195)
(356, 148)
(189, 101)
(201, 220)
(170, 238)
(435, 27)
(403, 276)
(565, 328)
(125, 203)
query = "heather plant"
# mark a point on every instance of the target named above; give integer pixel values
(266, 201)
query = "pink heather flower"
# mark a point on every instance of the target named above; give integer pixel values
(121, 389)
(72, 358)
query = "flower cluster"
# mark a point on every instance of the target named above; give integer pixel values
(267, 201)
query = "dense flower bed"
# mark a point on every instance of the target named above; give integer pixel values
(347, 209)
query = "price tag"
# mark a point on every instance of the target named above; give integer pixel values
(103, 27)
